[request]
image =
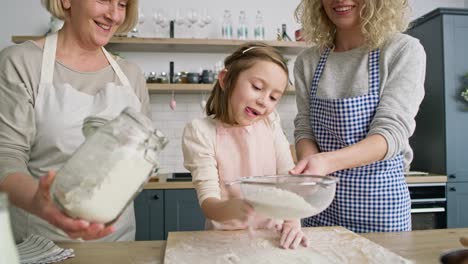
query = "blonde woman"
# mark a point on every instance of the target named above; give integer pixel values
(47, 88)
(358, 91)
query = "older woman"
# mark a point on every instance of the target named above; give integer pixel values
(358, 91)
(47, 88)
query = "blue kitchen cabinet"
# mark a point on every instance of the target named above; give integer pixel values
(440, 140)
(149, 215)
(182, 211)
(457, 194)
(158, 212)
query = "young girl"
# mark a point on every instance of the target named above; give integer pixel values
(241, 136)
(358, 91)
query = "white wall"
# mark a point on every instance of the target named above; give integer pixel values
(26, 17)
(421, 7)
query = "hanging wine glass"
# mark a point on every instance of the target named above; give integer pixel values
(135, 32)
(160, 19)
(206, 18)
(192, 18)
(180, 22)
(201, 24)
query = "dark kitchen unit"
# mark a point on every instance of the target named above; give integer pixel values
(428, 205)
(440, 142)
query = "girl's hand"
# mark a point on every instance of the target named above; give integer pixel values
(292, 235)
(45, 208)
(314, 164)
(240, 210)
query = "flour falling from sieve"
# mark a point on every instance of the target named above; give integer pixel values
(277, 203)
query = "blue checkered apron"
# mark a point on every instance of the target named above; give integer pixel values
(371, 198)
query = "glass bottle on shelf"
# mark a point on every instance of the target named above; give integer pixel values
(226, 29)
(242, 32)
(259, 30)
(8, 251)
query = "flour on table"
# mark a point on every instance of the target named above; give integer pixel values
(327, 245)
(277, 203)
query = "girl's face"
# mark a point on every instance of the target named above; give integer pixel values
(95, 21)
(256, 92)
(344, 14)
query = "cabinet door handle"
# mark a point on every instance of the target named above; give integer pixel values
(156, 197)
(452, 189)
(452, 176)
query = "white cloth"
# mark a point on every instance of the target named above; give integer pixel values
(59, 113)
(37, 249)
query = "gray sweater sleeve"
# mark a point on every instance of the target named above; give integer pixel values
(17, 120)
(303, 69)
(400, 99)
(402, 73)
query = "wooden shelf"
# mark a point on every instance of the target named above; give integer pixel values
(183, 45)
(178, 87)
(155, 88)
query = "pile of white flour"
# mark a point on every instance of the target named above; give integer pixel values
(277, 203)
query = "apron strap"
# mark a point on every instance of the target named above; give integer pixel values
(319, 70)
(374, 71)
(122, 77)
(48, 58)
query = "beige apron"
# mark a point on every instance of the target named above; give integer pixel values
(59, 115)
(242, 152)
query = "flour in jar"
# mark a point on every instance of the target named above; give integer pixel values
(277, 203)
(101, 199)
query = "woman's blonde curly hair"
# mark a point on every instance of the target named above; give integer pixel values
(380, 20)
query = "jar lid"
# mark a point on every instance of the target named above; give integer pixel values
(91, 123)
(140, 118)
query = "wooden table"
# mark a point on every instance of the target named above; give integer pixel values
(138, 252)
(419, 246)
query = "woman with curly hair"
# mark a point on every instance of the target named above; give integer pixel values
(358, 90)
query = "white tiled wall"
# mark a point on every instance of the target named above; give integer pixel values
(172, 123)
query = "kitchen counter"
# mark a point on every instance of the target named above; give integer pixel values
(420, 246)
(163, 184)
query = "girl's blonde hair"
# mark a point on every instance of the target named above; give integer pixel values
(242, 59)
(380, 20)
(55, 8)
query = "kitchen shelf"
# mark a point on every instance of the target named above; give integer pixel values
(178, 87)
(183, 45)
(155, 88)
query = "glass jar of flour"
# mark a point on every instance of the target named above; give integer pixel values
(110, 168)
